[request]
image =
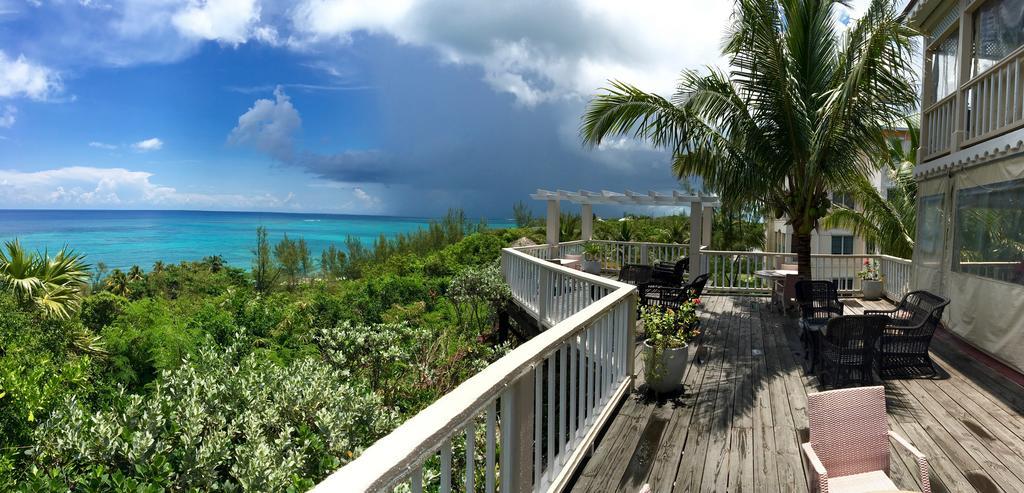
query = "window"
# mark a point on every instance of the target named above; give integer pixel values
(928, 247)
(998, 31)
(843, 283)
(844, 199)
(943, 77)
(842, 245)
(989, 235)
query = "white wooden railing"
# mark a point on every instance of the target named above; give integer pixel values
(988, 105)
(897, 273)
(941, 121)
(526, 421)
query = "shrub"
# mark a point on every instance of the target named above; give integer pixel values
(220, 421)
(100, 309)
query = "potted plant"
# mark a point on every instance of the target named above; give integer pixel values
(871, 280)
(593, 256)
(666, 350)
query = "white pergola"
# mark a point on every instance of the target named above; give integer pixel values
(702, 209)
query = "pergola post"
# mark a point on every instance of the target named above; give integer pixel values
(553, 227)
(696, 233)
(586, 222)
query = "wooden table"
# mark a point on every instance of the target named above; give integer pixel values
(773, 274)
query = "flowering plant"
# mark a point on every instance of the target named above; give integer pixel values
(870, 271)
(668, 328)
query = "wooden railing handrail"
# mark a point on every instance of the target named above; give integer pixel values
(991, 70)
(945, 99)
(390, 459)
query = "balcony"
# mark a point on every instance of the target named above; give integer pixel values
(556, 413)
(987, 106)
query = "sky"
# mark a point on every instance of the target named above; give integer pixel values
(394, 107)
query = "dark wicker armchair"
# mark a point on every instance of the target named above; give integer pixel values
(847, 349)
(903, 344)
(670, 273)
(672, 296)
(819, 302)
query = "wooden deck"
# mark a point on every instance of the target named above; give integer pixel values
(740, 422)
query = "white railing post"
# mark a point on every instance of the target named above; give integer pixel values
(544, 298)
(643, 254)
(516, 440)
(630, 341)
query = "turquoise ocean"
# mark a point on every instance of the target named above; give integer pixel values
(125, 238)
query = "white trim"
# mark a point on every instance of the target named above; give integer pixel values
(629, 197)
(979, 153)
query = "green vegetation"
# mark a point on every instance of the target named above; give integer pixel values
(890, 220)
(200, 376)
(801, 112)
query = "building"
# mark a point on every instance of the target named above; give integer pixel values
(970, 238)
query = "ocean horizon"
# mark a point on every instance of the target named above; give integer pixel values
(122, 238)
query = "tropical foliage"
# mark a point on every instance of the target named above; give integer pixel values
(801, 109)
(52, 285)
(887, 219)
(201, 379)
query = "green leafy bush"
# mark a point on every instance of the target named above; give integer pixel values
(220, 421)
(102, 308)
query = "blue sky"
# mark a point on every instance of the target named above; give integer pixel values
(404, 107)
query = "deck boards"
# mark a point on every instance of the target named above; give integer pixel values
(739, 423)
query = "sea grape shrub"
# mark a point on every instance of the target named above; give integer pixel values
(371, 297)
(477, 289)
(386, 355)
(222, 420)
(215, 321)
(101, 309)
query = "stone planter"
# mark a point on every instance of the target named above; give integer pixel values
(664, 371)
(592, 266)
(872, 290)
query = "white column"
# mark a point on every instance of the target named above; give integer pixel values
(709, 219)
(696, 218)
(586, 222)
(553, 217)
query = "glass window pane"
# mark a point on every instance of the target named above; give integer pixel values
(928, 248)
(944, 74)
(998, 31)
(990, 231)
(842, 245)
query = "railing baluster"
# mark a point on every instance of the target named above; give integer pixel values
(563, 400)
(489, 473)
(416, 481)
(552, 369)
(538, 420)
(470, 455)
(446, 466)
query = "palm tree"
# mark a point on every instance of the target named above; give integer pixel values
(135, 273)
(802, 105)
(158, 267)
(890, 220)
(117, 283)
(52, 285)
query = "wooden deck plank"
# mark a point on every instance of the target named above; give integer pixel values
(740, 423)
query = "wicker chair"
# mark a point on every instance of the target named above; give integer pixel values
(819, 302)
(849, 448)
(847, 348)
(903, 344)
(670, 273)
(672, 297)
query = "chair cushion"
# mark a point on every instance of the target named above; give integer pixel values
(865, 481)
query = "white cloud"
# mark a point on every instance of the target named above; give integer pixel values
(152, 144)
(227, 21)
(269, 126)
(101, 145)
(82, 186)
(20, 77)
(7, 116)
(539, 50)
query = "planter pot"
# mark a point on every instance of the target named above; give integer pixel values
(664, 370)
(592, 266)
(872, 290)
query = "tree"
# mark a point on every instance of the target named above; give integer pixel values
(569, 227)
(292, 259)
(135, 273)
(803, 105)
(117, 283)
(523, 215)
(51, 285)
(890, 220)
(264, 274)
(332, 262)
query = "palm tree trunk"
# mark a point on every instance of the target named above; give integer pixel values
(801, 246)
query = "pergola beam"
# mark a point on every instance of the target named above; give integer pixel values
(675, 198)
